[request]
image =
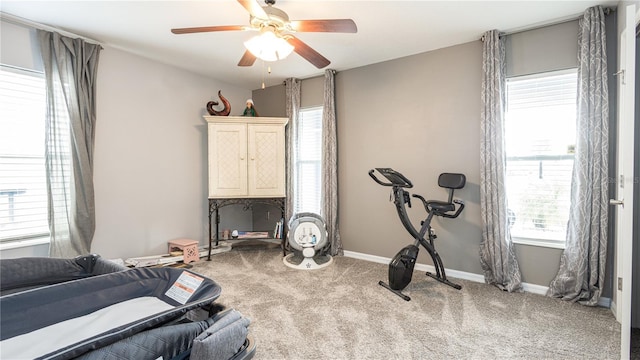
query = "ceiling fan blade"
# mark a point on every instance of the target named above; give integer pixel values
(334, 25)
(254, 8)
(208, 29)
(307, 52)
(247, 59)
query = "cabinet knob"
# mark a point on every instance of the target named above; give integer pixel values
(241, 157)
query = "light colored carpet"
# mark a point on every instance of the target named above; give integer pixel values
(341, 312)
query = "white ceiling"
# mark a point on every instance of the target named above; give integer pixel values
(386, 29)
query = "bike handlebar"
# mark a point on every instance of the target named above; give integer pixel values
(395, 178)
(371, 173)
(425, 203)
(460, 207)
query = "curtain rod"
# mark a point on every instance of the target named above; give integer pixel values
(543, 25)
(564, 20)
(22, 21)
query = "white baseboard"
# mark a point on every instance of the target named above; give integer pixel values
(367, 257)
(479, 278)
(614, 309)
(535, 288)
(605, 302)
(421, 267)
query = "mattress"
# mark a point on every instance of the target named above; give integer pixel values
(33, 272)
(48, 339)
(224, 336)
(151, 297)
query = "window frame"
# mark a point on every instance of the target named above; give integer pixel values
(33, 237)
(531, 240)
(298, 161)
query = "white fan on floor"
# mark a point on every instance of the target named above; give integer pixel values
(308, 238)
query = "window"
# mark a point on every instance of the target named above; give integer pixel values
(540, 143)
(308, 160)
(23, 194)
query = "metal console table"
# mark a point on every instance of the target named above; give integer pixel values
(216, 204)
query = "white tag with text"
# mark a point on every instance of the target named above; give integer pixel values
(184, 287)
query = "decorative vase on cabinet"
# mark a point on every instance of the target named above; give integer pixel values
(246, 156)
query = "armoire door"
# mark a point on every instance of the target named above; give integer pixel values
(266, 160)
(227, 160)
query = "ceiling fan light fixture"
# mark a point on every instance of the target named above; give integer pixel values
(277, 40)
(268, 46)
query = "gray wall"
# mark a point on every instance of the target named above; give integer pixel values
(418, 114)
(421, 116)
(270, 101)
(150, 165)
(150, 171)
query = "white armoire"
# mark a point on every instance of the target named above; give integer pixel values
(246, 165)
(246, 156)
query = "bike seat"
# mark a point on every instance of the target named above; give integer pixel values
(441, 206)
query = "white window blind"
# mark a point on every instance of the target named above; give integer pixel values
(540, 137)
(308, 159)
(23, 195)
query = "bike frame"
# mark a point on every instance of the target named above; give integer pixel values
(425, 235)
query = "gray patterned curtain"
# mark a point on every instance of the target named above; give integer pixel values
(582, 265)
(497, 257)
(70, 67)
(292, 89)
(330, 164)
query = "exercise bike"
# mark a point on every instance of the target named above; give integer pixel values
(401, 266)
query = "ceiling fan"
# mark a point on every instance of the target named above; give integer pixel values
(276, 24)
